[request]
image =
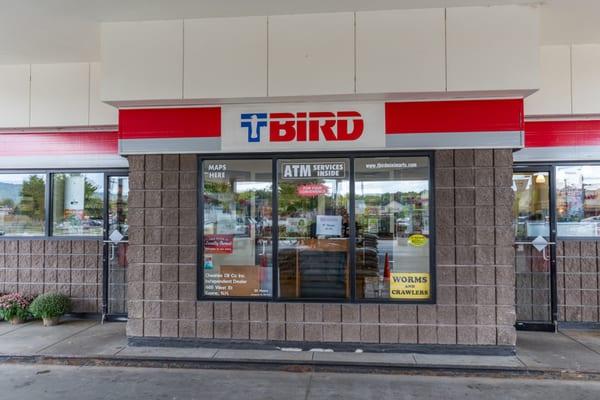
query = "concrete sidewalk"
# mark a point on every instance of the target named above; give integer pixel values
(87, 342)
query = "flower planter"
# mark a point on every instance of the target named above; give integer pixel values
(51, 321)
(16, 321)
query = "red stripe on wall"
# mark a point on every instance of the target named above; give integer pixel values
(162, 123)
(454, 116)
(58, 143)
(562, 133)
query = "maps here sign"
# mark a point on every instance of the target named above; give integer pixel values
(303, 126)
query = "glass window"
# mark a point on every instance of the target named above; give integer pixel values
(531, 209)
(118, 195)
(22, 208)
(578, 200)
(77, 204)
(313, 227)
(237, 228)
(316, 216)
(392, 228)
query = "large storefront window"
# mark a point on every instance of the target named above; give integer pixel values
(345, 228)
(78, 204)
(22, 204)
(237, 255)
(392, 223)
(313, 228)
(578, 200)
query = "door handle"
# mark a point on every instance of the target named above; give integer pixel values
(544, 256)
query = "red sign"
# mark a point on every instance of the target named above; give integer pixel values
(218, 244)
(302, 126)
(312, 190)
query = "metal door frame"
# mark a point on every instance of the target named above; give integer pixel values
(552, 325)
(105, 253)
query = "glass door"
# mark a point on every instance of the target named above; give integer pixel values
(115, 247)
(535, 231)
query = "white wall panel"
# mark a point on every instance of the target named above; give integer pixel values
(100, 113)
(554, 96)
(60, 94)
(400, 51)
(225, 57)
(14, 96)
(311, 54)
(492, 48)
(142, 60)
(586, 79)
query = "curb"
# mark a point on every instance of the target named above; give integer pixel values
(304, 366)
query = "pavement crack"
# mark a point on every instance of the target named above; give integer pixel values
(521, 361)
(39, 351)
(15, 328)
(120, 350)
(581, 343)
(310, 378)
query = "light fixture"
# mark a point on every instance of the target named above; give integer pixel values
(540, 178)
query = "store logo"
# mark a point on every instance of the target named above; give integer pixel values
(253, 123)
(303, 126)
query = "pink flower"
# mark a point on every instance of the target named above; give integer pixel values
(14, 300)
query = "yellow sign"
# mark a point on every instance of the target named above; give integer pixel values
(409, 285)
(417, 240)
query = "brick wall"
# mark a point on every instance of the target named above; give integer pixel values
(475, 266)
(475, 253)
(577, 267)
(72, 267)
(533, 284)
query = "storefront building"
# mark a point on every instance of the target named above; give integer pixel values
(265, 187)
(315, 246)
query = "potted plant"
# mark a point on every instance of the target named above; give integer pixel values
(50, 307)
(14, 308)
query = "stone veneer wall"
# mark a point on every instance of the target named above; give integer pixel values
(474, 264)
(72, 267)
(578, 265)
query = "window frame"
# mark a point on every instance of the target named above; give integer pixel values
(275, 157)
(49, 201)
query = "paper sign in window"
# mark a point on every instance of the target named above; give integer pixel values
(409, 285)
(329, 225)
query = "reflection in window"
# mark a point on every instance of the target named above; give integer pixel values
(118, 195)
(77, 204)
(237, 228)
(313, 228)
(578, 200)
(392, 228)
(531, 208)
(22, 208)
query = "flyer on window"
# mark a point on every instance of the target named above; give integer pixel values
(329, 225)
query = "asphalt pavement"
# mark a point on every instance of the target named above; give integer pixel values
(42, 382)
